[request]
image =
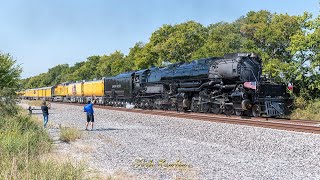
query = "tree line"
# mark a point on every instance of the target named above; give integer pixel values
(288, 45)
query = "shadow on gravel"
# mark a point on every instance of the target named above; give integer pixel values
(57, 141)
(104, 129)
(41, 113)
(107, 129)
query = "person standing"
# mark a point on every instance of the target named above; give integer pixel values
(90, 117)
(45, 113)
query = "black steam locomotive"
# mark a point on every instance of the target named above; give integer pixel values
(231, 84)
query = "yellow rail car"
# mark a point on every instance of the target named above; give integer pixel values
(85, 91)
(60, 91)
(41, 92)
(45, 93)
(75, 89)
(93, 88)
(26, 94)
(75, 92)
(37, 93)
(21, 93)
(31, 94)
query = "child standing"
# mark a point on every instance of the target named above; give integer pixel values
(45, 113)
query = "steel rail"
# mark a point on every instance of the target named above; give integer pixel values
(307, 126)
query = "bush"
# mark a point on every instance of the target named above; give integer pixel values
(22, 143)
(69, 134)
(308, 110)
(20, 133)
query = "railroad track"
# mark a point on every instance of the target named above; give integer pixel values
(307, 126)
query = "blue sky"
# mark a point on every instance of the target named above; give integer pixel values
(40, 34)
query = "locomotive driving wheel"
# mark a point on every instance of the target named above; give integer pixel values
(194, 105)
(238, 112)
(228, 110)
(157, 104)
(256, 110)
(215, 108)
(206, 107)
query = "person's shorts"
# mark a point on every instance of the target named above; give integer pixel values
(90, 117)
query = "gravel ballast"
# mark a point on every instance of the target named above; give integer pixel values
(140, 146)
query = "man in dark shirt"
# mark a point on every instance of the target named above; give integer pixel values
(90, 117)
(45, 113)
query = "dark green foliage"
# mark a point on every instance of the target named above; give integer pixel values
(222, 38)
(112, 64)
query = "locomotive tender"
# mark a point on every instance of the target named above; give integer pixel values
(231, 85)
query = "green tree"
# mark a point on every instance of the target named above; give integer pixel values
(223, 38)
(305, 50)
(9, 84)
(135, 54)
(270, 35)
(171, 43)
(146, 57)
(181, 41)
(88, 70)
(36, 81)
(56, 74)
(112, 64)
(69, 75)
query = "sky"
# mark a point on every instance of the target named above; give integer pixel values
(41, 34)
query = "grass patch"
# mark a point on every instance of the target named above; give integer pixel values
(308, 110)
(22, 142)
(69, 134)
(21, 167)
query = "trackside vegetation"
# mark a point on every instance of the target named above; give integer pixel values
(69, 134)
(23, 141)
(306, 109)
